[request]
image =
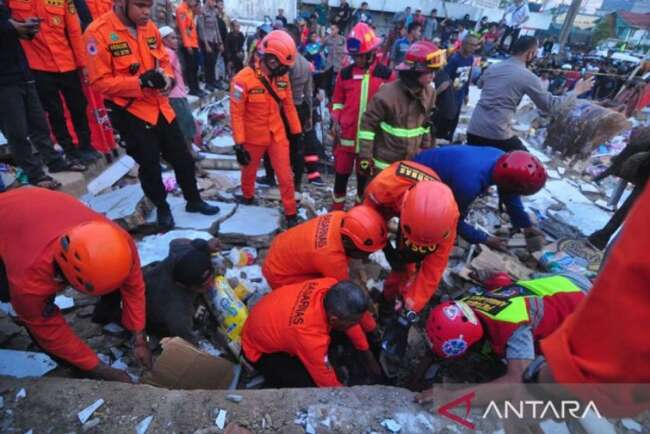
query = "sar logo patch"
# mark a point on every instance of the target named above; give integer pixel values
(91, 47)
(237, 92)
(413, 173)
(113, 36)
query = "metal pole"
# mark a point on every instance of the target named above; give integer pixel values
(568, 22)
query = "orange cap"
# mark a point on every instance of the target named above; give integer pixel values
(95, 257)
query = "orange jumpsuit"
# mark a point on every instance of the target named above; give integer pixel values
(31, 221)
(605, 339)
(57, 47)
(293, 320)
(186, 26)
(98, 8)
(257, 125)
(385, 193)
(311, 250)
(116, 59)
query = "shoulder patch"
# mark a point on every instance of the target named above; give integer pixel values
(91, 46)
(152, 42)
(237, 92)
(413, 173)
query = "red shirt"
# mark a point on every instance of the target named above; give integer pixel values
(31, 221)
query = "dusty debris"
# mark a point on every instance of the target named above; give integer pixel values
(126, 206)
(85, 414)
(22, 393)
(234, 398)
(220, 420)
(143, 425)
(391, 425)
(92, 423)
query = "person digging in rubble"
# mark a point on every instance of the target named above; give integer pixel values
(471, 170)
(135, 78)
(502, 88)
(355, 86)
(259, 97)
(395, 125)
(512, 320)
(428, 216)
(172, 288)
(287, 334)
(322, 247)
(71, 246)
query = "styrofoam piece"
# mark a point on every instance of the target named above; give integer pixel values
(21, 364)
(156, 247)
(143, 426)
(85, 414)
(64, 302)
(189, 220)
(111, 175)
(117, 204)
(252, 221)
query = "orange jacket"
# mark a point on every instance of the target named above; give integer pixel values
(254, 114)
(98, 8)
(293, 320)
(385, 193)
(312, 250)
(31, 220)
(57, 47)
(116, 60)
(186, 26)
(605, 340)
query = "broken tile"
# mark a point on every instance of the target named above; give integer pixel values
(85, 414)
(220, 421)
(632, 425)
(156, 247)
(21, 364)
(117, 204)
(111, 174)
(391, 425)
(251, 225)
(187, 220)
(143, 425)
(64, 302)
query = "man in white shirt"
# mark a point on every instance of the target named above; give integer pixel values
(516, 15)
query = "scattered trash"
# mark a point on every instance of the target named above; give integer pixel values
(309, 428)
(85, 414)
(64, 302)
(234, 398)
(229, 309)
(391, 425)
(21, 364)
(143, 425)
(22, 393)
(220, 421)
(242, 257)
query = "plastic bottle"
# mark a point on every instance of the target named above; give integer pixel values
(242, 257)
(230, 309)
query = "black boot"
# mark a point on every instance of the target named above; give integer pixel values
(201, 207)
(165, 218)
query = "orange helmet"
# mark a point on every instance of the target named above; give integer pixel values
(280, 44)
(429, 214)
(366, 228)
(362, 39)
(95, 257)
(423, 56)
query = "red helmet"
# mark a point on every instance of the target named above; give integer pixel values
(362, 39)
(519, 172)
(95, 257)
(429, 214)
(366, 228)
(423, 56)
(281, 45)
(452, 327)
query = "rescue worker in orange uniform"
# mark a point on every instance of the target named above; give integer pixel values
(428, 216)
(128, 64)
(189, 44)
(396, 124)
(259, 97)
(355, 86)
(287, 334)
(56, 57)
(74, 246)
(321, 247)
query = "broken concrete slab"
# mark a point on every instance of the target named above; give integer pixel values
(224, 179)
(251, 225)
(156, 247)
(218, 161)
(126, 206)
(21, 364)
(111, 175)
(589, 188)
(490, 261)
(196, 221)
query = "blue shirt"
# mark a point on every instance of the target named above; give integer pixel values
(400, 47)
(459, 69)
(467, 170)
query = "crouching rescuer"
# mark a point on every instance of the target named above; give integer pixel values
(287, 334)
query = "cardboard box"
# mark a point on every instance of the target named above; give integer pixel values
(183, 366)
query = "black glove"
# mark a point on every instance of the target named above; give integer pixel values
(153, 79)
(396, 335)
(243, 157)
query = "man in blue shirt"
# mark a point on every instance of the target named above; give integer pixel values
(401, 46)
(459, 68)
(470, 170)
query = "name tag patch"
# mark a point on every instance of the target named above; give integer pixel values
(256, 91)
(410, 172)
(151, 42)
(119, 49)
(489, 305)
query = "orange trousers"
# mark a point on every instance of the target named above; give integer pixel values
(279, 155)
